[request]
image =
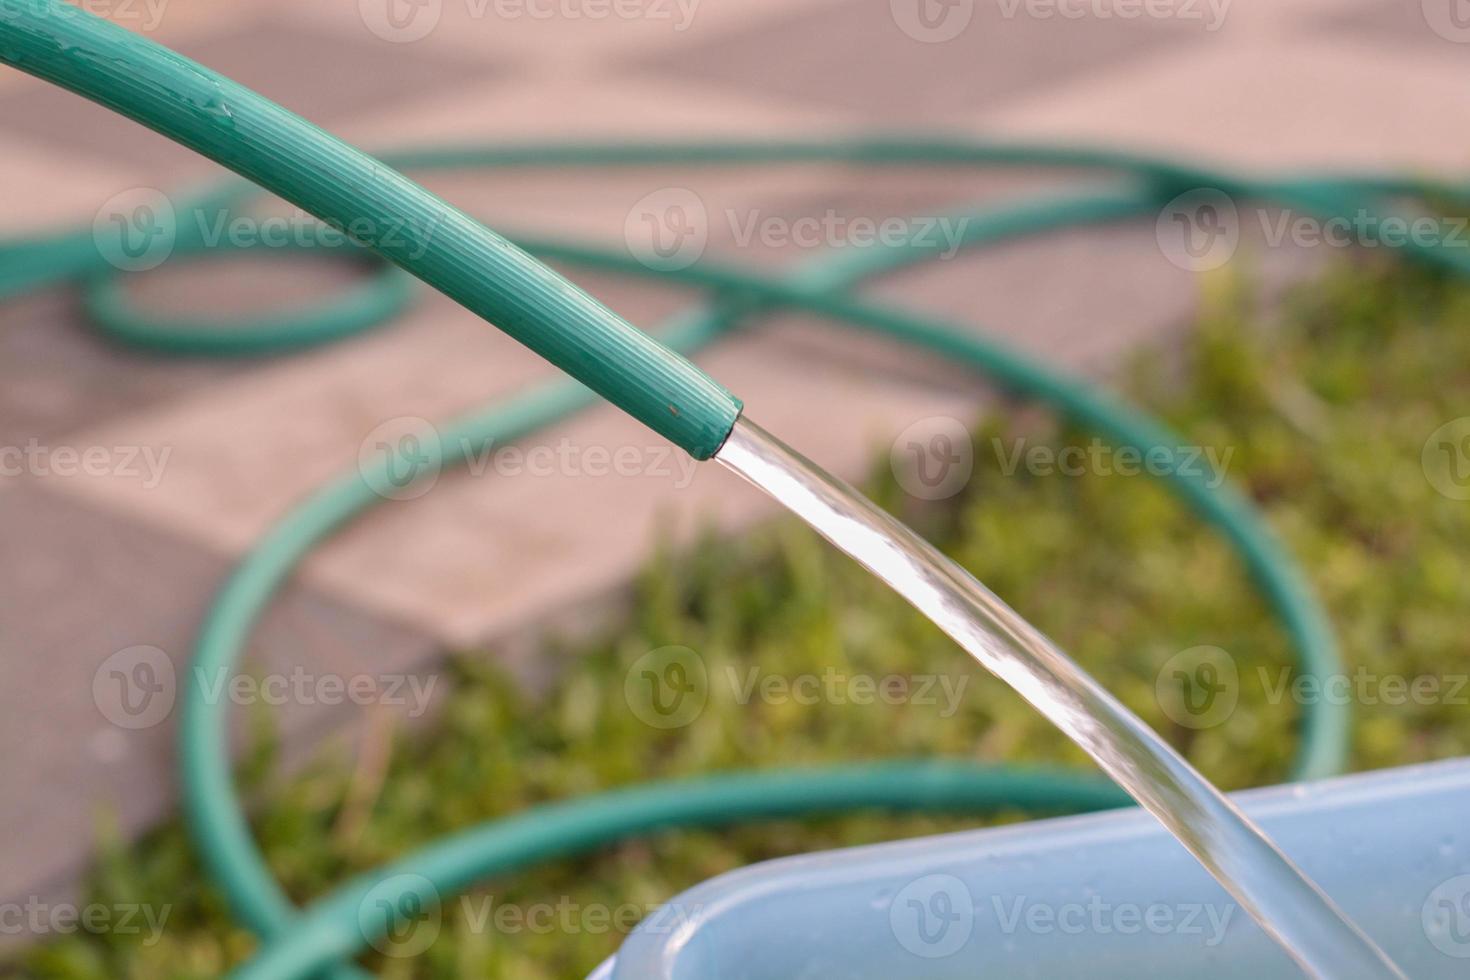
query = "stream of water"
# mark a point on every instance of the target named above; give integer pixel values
(1287, 904)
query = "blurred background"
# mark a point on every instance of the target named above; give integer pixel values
(460, 651)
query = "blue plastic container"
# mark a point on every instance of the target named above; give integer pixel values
(1097, 896)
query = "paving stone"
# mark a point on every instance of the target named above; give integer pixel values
(1246, 22)
(58, 375)
(173, 23)
(869, 57)
(622, 106)
(1302, 103)
(1081, 299)
(596, 204)
(53, 204)
(856, 204)
(163, 21)
(83, 586)
(248, 447)
(319, 74)
(560, 37)
(1439, 26)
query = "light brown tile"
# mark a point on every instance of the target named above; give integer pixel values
(91, 585)
(1250, 21)
(173, 23)
(1082, 299)
(245, 449)
(596, 202)
(1337, 104)
(558, 38)
(57, 376)
(1424, 25)
(626, 107)
(880, 60)
(319, 74)
(63, 190)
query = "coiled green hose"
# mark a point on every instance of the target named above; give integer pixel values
(284, 154)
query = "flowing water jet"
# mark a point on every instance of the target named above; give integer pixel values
(1288, 905)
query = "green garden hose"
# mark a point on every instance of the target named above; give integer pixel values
(351, 191)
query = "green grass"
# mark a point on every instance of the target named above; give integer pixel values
(1325, 411)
